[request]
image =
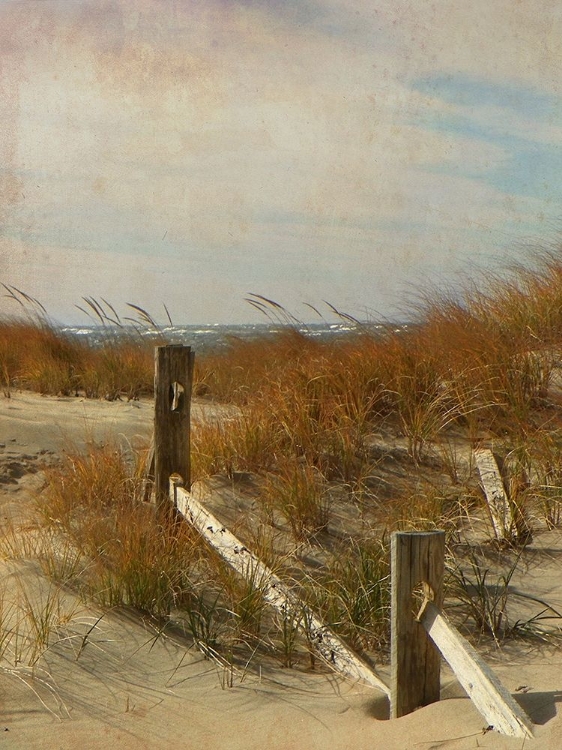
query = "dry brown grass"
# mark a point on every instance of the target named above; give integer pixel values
(37, 355)
(476, 368)
(43, 359)
(132, 552)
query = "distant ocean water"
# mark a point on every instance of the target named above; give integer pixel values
(217, 336)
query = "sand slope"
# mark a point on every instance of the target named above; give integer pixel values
(126, 686)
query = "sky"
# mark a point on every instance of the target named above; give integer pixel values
(189, 152)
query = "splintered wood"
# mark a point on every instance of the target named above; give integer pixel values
(331, 648)
(496, 496)
(508, 520)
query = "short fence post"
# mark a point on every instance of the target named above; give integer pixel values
(172, 409)
(416, 558)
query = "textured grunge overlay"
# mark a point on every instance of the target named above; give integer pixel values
(305, 149)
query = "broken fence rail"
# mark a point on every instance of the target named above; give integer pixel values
(482, 686)
(328, 645)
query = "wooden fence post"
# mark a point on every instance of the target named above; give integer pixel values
(172, 394)
(416, 558)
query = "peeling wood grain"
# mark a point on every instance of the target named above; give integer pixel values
(330, 647)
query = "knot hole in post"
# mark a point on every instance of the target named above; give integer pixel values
(422, 594)
(177, 397)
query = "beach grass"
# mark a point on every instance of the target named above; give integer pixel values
(38, 355)
(347, 440)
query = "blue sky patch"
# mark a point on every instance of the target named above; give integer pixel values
(528, 168)
(465, 91)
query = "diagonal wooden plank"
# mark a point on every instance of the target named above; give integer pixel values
(330, 647)
(487, 693)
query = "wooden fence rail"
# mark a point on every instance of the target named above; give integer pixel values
(326, 643)
(487, 693)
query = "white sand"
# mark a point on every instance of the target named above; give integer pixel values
(128, 688)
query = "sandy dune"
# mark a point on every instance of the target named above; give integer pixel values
(113, 682)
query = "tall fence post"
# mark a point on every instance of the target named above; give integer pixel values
(416, 558)
(173, 380)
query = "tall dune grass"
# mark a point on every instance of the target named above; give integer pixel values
(37, 355)
(481, 358)
(312, 416)
(132, 553)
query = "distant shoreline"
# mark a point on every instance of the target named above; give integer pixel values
(218, 335)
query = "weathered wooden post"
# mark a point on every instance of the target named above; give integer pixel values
(172, 408)
(416, 558)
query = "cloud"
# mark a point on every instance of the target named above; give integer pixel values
(298, 147)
